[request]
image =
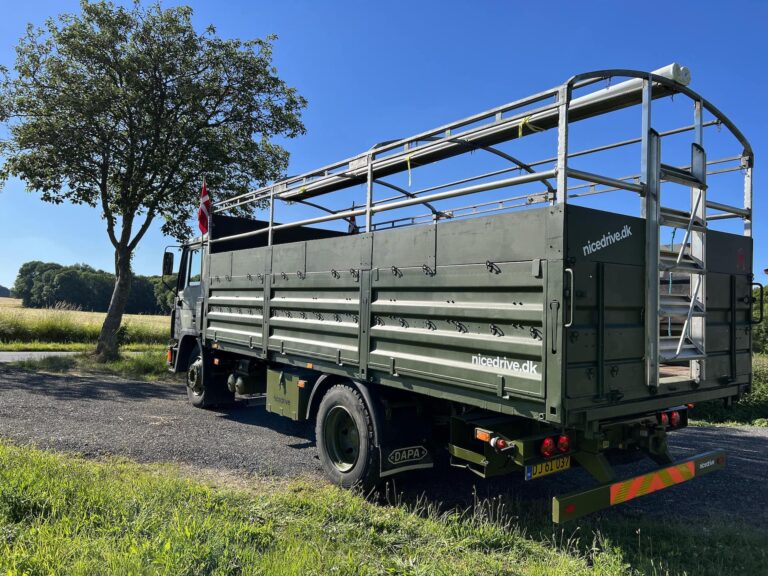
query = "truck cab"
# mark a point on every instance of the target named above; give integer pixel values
(187, 303)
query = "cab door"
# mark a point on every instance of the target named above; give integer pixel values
(190, 290)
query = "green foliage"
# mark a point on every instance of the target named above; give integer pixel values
(760, 331)
(31, 282)
(4, 292)
(751, 409)
(47, 284)
(128, 107)
(66, 515)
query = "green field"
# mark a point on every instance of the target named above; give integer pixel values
(62, 514)
(63, 329)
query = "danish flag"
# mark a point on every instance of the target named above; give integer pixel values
(204, 210)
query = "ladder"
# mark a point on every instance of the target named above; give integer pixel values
(676, 319)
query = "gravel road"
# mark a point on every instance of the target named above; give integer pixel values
(152, 422)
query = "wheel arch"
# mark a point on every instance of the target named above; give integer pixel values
(183, 356)
(327, 381)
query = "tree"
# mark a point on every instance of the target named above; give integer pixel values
(128, 108)
(164, 296)
(32, 285)
(46, 284)
(4, 292)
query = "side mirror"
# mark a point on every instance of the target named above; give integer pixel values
(168, 264)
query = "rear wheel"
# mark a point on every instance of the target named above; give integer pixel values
(346, 438)
(206, 388)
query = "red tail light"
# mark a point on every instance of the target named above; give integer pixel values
(563, 443)
(664, 419)
(499, 443)
(547, 447)
(674, 419)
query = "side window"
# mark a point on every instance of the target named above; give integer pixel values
(195, 268)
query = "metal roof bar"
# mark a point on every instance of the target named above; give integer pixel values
(497, 129)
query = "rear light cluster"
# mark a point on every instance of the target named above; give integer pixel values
(673, 418)
(555, 444)
(549, 447)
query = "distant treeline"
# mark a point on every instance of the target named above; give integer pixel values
(47, 284)
(4, 292)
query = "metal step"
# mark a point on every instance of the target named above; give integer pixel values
(677, 305)
(668, 263)
(679, 176)
(671, 380)
(680, 219)
(668, 348)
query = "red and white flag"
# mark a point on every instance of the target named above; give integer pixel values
(204, 210)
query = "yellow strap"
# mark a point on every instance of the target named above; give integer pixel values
(408, 161)
(531, 127)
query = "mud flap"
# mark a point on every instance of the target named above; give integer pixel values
(396, 459)
(406, 442)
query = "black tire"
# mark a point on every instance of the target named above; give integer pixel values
(206, 387)
(346, 439)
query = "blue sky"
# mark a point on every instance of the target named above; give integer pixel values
(376, 71)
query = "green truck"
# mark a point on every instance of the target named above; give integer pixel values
(526, 316)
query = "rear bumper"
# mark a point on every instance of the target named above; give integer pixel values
(577, 504)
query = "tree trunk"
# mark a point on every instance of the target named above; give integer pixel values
(109, 341)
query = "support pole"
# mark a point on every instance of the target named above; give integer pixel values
(369, 197)
(271, 217)
(563, 99)
(649, 170)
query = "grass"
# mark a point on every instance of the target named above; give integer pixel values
(148, 364)
(65, 514)
(32, 327)
(37, 346)
(752, 409)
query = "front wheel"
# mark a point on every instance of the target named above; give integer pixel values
(206, 388)
(346, 438)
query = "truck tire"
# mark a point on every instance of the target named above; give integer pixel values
(206, 388)
(346, 438)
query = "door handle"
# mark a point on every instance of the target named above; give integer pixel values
(554, 323)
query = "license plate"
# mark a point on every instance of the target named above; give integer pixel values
(549, 467)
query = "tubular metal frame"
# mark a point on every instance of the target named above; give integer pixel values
(500, 124)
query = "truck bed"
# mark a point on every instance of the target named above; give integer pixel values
(474, 310)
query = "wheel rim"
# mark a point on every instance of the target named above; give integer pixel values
(195, 377)
(342, 438)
